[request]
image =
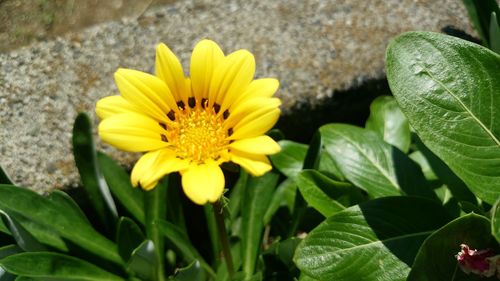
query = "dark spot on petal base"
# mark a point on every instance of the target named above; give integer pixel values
(216, 108)
(163, 125)
(225, 114)
(191, 102)
(163, 138)
(171, 115)
(229, 132)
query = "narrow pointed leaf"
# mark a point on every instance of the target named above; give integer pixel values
(144, 261)
(55, 267)
(119, 183)
(180, 241)
(23, 238)
(258, 195)
(495, 220)
(479, 13)
(129, 237)
(387, 120)
(436, 259)
(4, 178)
(156, 209)
(290, 159)
(494, 33)
(9, 250)
(34, 207)
(448, 88)
(192, 272)
(86, 161)
(64, 202)
(372, 164)
(42, 233)
(376, 240)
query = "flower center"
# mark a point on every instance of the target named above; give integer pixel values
(198, 134)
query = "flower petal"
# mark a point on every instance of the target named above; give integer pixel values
(255, 124)
(249, 106)
(205, 58)
(145, 91)
(152, 166)
(169, 69)
(231, 78)
(113, 105)
(132, 132)
(265, 87)
(255, 164)
(257, 145)
(203, 183)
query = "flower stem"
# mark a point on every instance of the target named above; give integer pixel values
(221, 228)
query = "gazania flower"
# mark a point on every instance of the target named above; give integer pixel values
(193, 124)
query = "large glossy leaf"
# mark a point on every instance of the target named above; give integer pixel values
(55, 267)
(376, 240)
(290, 159)
(372, 164)
(448, 88)
(258, 194)
(95, 186)
(436, 259)
(25, 203)
(119, 183)
(180, 240)
(389, 122)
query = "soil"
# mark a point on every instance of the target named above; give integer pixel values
(25, 21)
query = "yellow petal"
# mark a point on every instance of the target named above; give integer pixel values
(255, 164)
(262, 104)
(132, 132)
(231, 78)
(169, 69)
(155, 167)
(205, 58)
(265, 87)
(203, 183)
(145, 91)
(113, 105)
(257, 145)
(255, 124)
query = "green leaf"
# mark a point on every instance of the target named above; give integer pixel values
(192, 272)
(495, 220)
(9, 250)
(5, 276)
(448, 88)
(119, 183)
(22, 202)
(144, 261)
(64, 202)
(180, 241)
(257, 196)
(479, 13)
(284, 195)
(372, 164)
(494, 33)
(387, 120)
(129, 236)
(4, 178)
(290, 159)
(54, 266)
(436, 258)
(42, 233)
(23, 238)
(313, 193)
(376, 240)
(86, 161)
(156, 209)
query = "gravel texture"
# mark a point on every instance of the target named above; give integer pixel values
(314, 47)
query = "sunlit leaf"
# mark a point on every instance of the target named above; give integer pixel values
(290, 159)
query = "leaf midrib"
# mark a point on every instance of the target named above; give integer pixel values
(474, 117)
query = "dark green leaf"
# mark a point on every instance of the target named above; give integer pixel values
(119, 183)
(494, 33)
(4, 178)
(54, 267)
(436, 258)
(495, 220)
(5, 276)
(192, 272)
(234, 205)
(372, 164)
(290, 159)
(376, 240)
(156, 209)
(23, 238)
(257, 196)
(23, 202)
(284, 250)
(64, 202)
(144, 261)
(180, 241)
(129, 237)
(86, 161)
(479, 13)
(9, 250)
(387, 120)
(448, 88)
(284, 195)
(42, 233)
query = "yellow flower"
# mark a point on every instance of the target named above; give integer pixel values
(193, 124)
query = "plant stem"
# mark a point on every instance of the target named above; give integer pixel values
(221, 228)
